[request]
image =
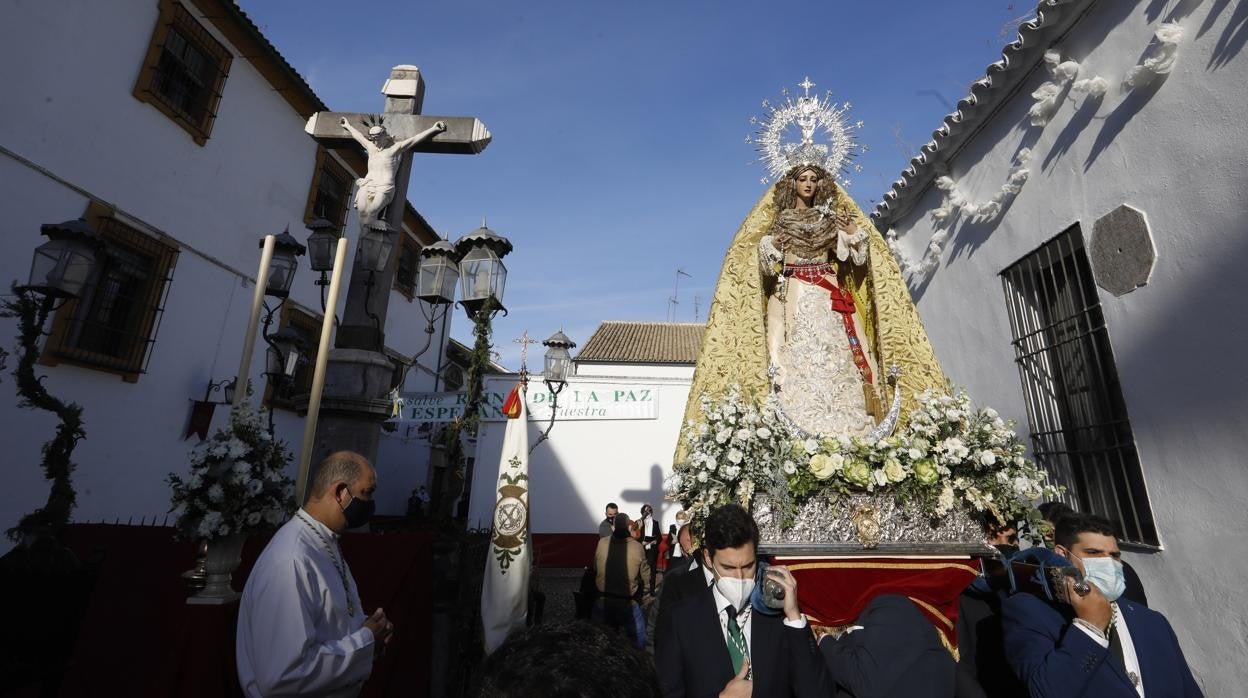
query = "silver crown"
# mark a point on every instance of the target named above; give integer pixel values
(806, 130)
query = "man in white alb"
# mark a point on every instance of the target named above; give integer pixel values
(301, 628)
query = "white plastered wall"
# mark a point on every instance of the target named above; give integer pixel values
(1177, 151)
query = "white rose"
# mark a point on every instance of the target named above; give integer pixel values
(743, 434)
(789, 467)
(735, 456)
(880, 478)
(914, 454)
(763, 433)
(987, 457)
(723, 435)
(812, 446)
(253, 518)
(254, 487)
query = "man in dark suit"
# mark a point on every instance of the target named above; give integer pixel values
(684, 578)
(1094, 644)
(713, 644)
(892, 651)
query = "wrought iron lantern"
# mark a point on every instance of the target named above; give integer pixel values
(482, 273)
(64, 263)
(439, 272)
(286, 252)
(376, 246)
(284, 353)
(558, 359)
(321, 245)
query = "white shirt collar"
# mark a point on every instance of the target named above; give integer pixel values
(710, 576)
(308, 518)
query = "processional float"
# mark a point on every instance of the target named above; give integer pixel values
(819, 405)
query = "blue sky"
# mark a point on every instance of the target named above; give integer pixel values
(619, 128)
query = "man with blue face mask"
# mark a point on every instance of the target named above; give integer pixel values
(713, 644)
(1098, 644)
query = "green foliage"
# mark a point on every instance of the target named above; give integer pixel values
(31, 311)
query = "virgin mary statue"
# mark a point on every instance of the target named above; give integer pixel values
(810, 305)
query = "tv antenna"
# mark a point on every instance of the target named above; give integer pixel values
(674, 301)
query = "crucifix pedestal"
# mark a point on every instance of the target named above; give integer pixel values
(360, 375)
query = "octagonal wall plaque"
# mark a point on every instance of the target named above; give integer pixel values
(1121, 250)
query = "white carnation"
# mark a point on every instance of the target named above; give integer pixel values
(735, 456)
(763, 433)
(216, 494)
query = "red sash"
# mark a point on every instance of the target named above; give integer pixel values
(842, 302)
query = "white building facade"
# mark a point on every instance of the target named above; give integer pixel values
(177, 130)
(613, 441)
(1078, 269)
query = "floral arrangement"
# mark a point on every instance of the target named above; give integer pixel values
(948, 453)
(237, 481)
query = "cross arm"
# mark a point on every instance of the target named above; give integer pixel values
(464, 135)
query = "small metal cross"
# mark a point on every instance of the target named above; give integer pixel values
(806, 85)
(524, 341)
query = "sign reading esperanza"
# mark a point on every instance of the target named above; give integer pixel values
(578, 401)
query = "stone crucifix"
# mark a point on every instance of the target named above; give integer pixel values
(388, 140)
(360, 374)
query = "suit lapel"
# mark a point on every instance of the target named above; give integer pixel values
(1141, 641)
(707, 622)
(1121, 671)
(765, 639)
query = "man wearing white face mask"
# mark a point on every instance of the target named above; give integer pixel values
(1099, 644)
(715, 645)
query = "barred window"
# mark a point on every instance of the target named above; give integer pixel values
(408, 266)
(285, 395)
(328, 197)
(1079, 426)
(184, 72)
(112, 325)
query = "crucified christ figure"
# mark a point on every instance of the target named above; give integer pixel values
(375, 190)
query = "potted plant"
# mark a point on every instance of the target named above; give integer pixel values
(237, 484)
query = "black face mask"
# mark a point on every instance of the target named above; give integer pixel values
(359, 511)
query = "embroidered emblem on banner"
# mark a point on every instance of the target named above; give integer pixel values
(511, 516)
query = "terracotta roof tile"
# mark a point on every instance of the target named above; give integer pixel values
(644, 342)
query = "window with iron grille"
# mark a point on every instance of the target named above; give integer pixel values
(285, 394)
(408, 266)
(329, 195)
(1079, 427)
(184, 71)
(112, 325)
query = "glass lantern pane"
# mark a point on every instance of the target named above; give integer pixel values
(44, 264)
(281, 273)
(273, 361)
(475, 279)
(436, 281)
(77, 270)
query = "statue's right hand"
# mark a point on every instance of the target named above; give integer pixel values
(342, 121)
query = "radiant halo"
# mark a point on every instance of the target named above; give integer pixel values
(806, 130)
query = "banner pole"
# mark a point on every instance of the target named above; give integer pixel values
(242, 379)
(318, 376)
